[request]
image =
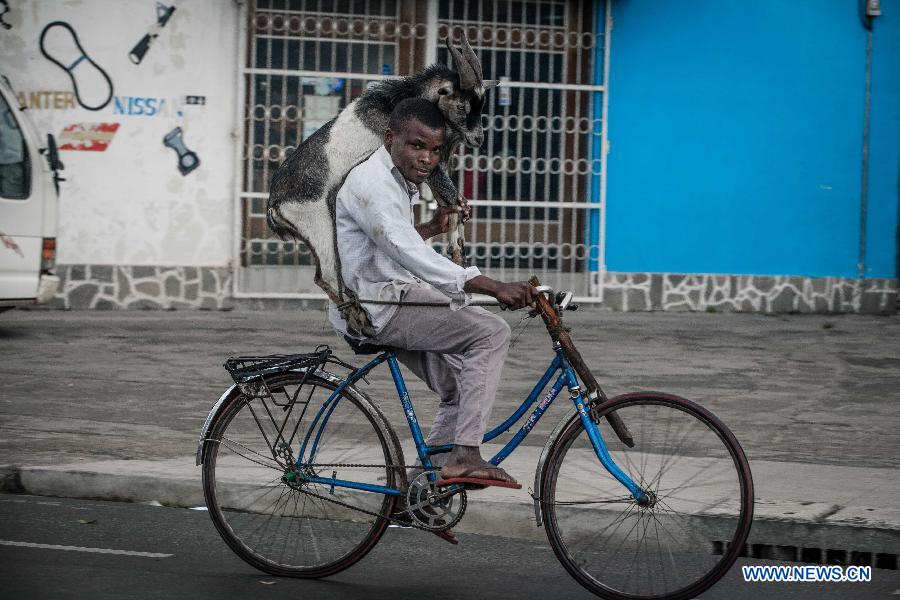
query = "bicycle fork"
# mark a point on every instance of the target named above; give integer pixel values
(593, 432)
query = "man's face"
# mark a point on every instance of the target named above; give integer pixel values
(415, 149)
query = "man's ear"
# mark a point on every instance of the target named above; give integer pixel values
(388, 138)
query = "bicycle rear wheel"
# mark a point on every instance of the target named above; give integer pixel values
(259, 502)
(699, 509)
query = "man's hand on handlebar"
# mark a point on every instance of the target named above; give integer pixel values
(516, 295)
(512, 296)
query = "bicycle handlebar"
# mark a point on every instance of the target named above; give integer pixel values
(559, 334)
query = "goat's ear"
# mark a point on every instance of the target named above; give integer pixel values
(490, 83)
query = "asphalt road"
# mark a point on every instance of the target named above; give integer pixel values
(179, 555)
(98, 385)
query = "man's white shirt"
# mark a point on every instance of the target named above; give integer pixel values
(380, 250)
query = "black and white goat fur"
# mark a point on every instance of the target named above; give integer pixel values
(303, 189)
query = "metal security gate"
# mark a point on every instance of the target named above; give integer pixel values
(538, 182)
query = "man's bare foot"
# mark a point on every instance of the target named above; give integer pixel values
(465, 462)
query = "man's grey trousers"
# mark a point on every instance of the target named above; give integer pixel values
(459, 354)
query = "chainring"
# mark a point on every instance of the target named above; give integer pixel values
(432, 507)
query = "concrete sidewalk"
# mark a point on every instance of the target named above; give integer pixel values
(110, 405)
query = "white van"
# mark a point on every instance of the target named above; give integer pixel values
(29, 197)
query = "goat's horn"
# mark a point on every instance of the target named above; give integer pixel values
(467, 77)
(472, 58)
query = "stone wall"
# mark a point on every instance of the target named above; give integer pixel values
(118, 287)
(749, 293)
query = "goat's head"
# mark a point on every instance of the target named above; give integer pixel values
(461, 100)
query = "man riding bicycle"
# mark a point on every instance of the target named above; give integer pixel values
(460, 352)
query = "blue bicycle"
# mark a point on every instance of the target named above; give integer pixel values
(646, 495)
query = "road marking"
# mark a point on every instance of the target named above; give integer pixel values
(83, 549)
(30, 502)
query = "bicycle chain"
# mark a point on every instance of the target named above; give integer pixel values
(411, 523)
(357, 465)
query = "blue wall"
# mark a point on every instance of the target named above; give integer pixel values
(736, 138)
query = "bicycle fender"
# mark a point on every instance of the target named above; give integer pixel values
(551, 439)
(213, 413)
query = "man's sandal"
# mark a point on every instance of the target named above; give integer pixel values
(478, 483)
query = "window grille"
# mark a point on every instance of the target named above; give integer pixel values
(536, 184)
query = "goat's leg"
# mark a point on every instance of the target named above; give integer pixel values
(445, 193)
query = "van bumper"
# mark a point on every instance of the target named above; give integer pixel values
(47, 288)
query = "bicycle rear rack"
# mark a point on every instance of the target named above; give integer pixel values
(249, 372)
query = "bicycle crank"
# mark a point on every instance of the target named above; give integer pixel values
(432, 507)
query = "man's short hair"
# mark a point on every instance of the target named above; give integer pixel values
(415, 108)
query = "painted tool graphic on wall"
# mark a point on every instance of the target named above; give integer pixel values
(163, 14)
(4, 8)
(187, 160)
(60, 45)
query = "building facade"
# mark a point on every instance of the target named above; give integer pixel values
(646, 154)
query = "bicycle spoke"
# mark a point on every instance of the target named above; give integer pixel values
(622, 500)
(665, 465)
(637, 545)
(680, 520)
(666, 462)
(628, 533)
(618, 522)
(706, 484)
(637, 475)
(665, 530)
(232, 444)
(662, 569)
(287, 538)
(265, 490)
(644, 455)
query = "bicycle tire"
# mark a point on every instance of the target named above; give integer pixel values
(700, 517)
(279, 528)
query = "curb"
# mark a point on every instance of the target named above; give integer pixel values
(174, 492)
(10, 480)
(822, 542)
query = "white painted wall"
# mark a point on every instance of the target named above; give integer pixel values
(129, 204)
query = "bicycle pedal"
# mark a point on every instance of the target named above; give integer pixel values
(447, 536)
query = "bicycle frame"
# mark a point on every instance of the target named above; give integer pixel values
(565, 379)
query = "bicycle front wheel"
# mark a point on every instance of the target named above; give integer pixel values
(258, 497)
(688, 531)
